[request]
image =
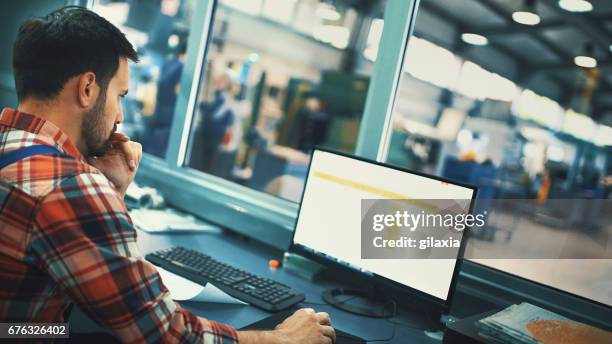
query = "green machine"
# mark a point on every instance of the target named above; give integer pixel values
(344, 95)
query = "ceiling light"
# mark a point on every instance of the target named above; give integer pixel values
(610, 48)
(576, 5)
(474, 39)
(585, 61)
(527, 15)
(327, 12)
(526, 18)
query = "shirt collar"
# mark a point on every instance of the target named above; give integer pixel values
(45, 131)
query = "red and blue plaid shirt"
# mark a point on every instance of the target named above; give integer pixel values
(66, 237)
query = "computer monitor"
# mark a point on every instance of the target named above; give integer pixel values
(328, 226)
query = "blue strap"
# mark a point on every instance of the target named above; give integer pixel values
(22, 153)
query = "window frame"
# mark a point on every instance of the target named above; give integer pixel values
(184, 110)
(262, 210)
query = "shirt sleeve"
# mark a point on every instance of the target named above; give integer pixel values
(85, 241)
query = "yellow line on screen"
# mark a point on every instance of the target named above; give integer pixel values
(373, 190)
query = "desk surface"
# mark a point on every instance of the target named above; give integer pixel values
(254, 258)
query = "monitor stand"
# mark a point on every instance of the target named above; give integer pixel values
(371, 304)
(366, 303)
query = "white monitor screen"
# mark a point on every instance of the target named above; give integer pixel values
(329, 221)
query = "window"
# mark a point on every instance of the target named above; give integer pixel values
(478, 83)
(502, 104)
(328, 46)
(279, 10)
(603, 136)
(374, 35)
(432, 63)
(158, 30)
(539, 109)
(248, 6)
(278, 81)
(579, 125)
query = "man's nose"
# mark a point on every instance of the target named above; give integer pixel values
(119, 117)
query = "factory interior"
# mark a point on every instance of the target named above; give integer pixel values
(516, 102)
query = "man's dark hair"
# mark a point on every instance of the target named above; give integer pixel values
(67, 42)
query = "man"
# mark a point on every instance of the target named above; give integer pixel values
(65, 234)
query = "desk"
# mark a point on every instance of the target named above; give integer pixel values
(254, 258)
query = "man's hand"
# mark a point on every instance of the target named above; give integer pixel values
(303, 327)
(120, 162)
(306, 327)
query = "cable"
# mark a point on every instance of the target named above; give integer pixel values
(327, 304)
(406, 325)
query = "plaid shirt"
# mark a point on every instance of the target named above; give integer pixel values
(66, 237)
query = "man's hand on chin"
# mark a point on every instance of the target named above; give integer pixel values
(120, 162)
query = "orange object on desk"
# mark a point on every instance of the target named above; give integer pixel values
(273, 263)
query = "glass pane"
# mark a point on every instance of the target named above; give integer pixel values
(281, 78)
(158, 29)
(484, 94)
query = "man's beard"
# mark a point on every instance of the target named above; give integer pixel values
(93, 129)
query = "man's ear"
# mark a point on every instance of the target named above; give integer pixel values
(87, 89)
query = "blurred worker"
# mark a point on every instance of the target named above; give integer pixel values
(165, 24)
(67, 235)
(218, 117)
(546, 181)
(313, 123)
(156, 141)
(607, 184)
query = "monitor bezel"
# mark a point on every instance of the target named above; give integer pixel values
(384, 281)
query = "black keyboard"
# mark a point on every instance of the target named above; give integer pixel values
(261, 292)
